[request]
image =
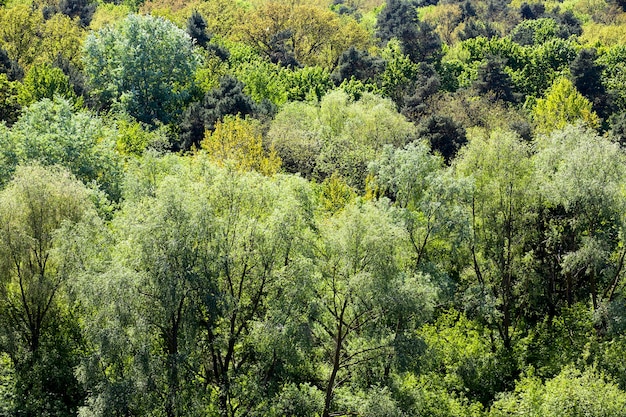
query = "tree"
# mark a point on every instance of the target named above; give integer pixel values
(562, 105)
(397, 18)
(27, 38)
(144, 65)
(613, 79)
(52, 133)
(444, 135)
(301, 33)
(18, 33)
(41, 210)
(227, 99)
(9, 105)
(429, 202)
(363, 296)
(501, 212)
(239, 141)
(571, 393)
(168, 252)
(586, 75)
(337, 135)
(580, 175)
(10, 67)
(493, 81)
(196, 29)
(45, 81)
(358, 64)
(83, 9)
(418, 39)
(534, 32)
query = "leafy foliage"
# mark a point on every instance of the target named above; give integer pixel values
(143, 64)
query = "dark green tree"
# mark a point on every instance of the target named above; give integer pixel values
(227, 99)
(359, 65)
(493, 82)
(10, 67)
(586, 74)
(196, 29)
(445, 136)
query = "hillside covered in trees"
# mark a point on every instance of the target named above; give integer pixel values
(268, 208)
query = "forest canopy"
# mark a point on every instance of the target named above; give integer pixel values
(312, 208)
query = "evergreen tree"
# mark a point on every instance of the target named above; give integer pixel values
(444, 134)
(227, 99)
(586, 75)
(196, 28)
(10, 67)
(493, 81)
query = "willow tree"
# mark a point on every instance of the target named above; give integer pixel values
(41, 211)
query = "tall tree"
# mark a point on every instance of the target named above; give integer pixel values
(501, 212)
(363, 296)
(586, 76)
(41, 210)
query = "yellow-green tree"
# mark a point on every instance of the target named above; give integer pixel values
(239, 141)
(28, 38)
(311, 34)
(562, 105)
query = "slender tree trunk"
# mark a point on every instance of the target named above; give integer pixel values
(336, 361)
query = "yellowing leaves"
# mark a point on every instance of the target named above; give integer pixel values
(238, 141)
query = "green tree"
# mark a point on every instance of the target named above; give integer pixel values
(52, 133)
(143, 64)
(572, 393)
(238, 141)
(9, 105)
(363, 297)
(429, 202)
(40, 212)
(337, 135)
(562, 105)
(501, 212)
(580, 177)
(45, 81)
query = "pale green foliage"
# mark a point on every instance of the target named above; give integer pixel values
(500, 209)
(364, 298)
(205, 252)
(583, 173)
(144, 64)
(41, 213)
(337, 135)
(429, 199)
(38, 210)
(580, 170)
(52, 133)
(570, 394)
(562, 105)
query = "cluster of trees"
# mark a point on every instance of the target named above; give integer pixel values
(272, 207)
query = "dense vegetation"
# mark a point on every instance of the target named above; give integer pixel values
(305, 208)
